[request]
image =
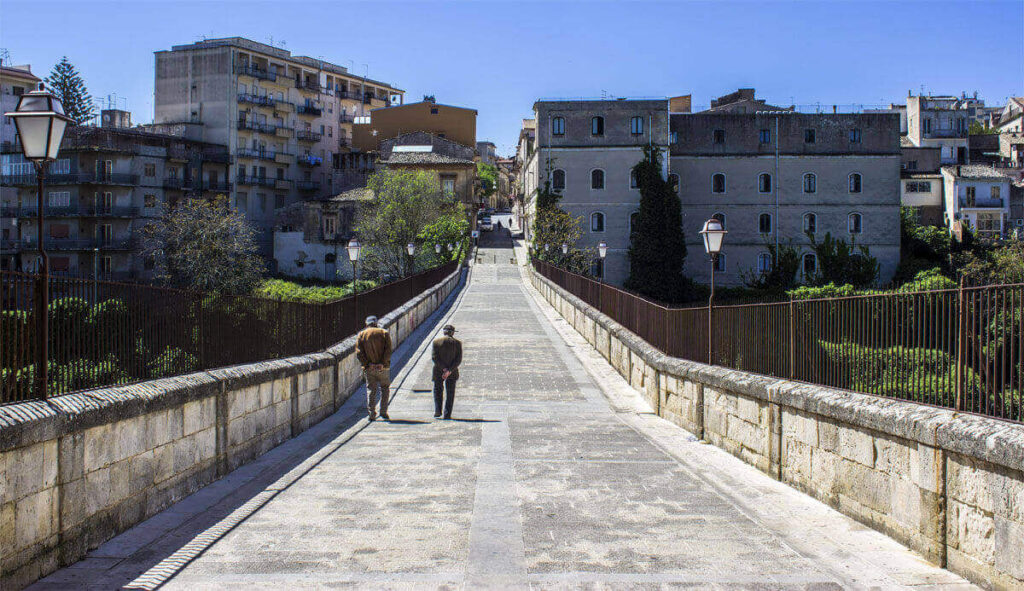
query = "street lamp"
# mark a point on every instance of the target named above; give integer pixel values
(40, 121)
(353, 249)
(713, 233)
(411, 249)
(565, 248)
(602, 251)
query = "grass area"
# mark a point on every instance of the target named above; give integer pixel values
(311, 293)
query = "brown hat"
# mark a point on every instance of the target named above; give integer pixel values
(448, 329)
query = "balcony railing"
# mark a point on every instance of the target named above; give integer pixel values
(257, 127)
(260, 181)
(344, 94)
(257, 154)
(218, 156)
(263, 101)
(945, 133)
(78, 243)
(312, 85)
(346, 118)
(216, 186)
(981, 202)
(308, 110)
(307, 185)
(58, 211)
(177, 183)
(306, 135)
(309, 160)
(256, 72)
(73, 178)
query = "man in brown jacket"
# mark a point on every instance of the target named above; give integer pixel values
(373, 350)
(447, 356)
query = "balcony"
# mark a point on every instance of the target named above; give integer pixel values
(10, 246)
(177, 154)
(282, 184)
(944, 133)
(219, 186)
(283, 158)
(65, 244)
(307, 185)
(255, 72)
(305, 135)
(310, 85)
(267, 155)
(346, 118)
(258, 181)
(344, 94)
(74, 178)
(252, 99)
(257, 127)
(284, 132)
(66, 211)
(980, 203)
(217, 156)
(309, 160)
(308, 110)
(178, 184)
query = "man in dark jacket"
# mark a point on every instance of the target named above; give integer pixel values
(447, 356)
(373, 350)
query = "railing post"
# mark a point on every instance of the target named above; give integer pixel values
(43, 295)
(792, 338)
(961, 344)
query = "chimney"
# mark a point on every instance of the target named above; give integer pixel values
(833, 109)
(115, 118)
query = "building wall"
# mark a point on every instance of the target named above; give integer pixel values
(955, 189)
(454, 123)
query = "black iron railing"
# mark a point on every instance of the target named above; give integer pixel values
(960, 348)
(256, 72)
(308, 136)
(104, 333)
(308, 110)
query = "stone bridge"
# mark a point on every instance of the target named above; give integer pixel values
(553, 473)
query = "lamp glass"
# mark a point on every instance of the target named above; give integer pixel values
(602, 249)
(437, 248)
(450, 247)
(713, 233)
(33, 131)
(353, 250)
(565, 248)
(410, 248)
(41, 123)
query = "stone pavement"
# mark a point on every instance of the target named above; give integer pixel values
(553, 474)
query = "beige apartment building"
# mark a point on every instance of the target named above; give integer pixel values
(457, 124)
(942, 122)
(14, 82)
(285, 119)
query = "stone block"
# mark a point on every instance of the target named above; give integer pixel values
(749, 435)
(976, 533)
(750, 410)
(73, 508)
(1009, 547)
(72, 458)
(828, 435)
(968, 483)
(35, 518)
(925, 468)
(823, 471)
(282, 389)
(796, 461)
(856, 445)
(7, 529)
(310, 381)
(184, 453)
(198, 415)
(100, 445)
(97, 490)
(206, 445)
(142, 469)
(892, 456)
(131, 437)
(865, 485)
(163, 458)
(119, 474)
(163, 426)
(905, 507)
(30, 469)
(799, 426)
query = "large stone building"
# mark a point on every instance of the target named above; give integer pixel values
(14, 82)
(586, 151)
(283, 118)
(105, 186)
(452, 162)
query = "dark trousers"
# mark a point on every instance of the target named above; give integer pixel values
(441, 386)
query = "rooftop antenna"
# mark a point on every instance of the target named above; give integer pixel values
(5, 56)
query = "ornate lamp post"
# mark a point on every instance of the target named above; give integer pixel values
(40, 120)
(713, 233)
(353, 249)
(602, 251)
(411, 249)
(565, 248)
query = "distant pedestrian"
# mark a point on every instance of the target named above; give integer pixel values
(447, 356)
(373, 350)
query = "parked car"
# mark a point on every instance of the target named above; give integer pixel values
(485, 224)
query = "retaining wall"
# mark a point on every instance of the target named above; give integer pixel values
(948, 485)
(76, 470)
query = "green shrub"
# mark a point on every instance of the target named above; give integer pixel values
(172, 362)
(68, 316)
(280, 289)
(829, 290)
(109, 325)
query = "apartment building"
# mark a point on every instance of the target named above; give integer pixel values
(943, 122)
(586, 150)
(14, 82)
(105, 186)
(978, 197)
(781, 176)
(283, 118)
(921, 183)
(457, 124)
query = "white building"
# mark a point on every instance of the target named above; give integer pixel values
(977, 197)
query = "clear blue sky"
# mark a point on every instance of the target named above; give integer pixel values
(499, 57)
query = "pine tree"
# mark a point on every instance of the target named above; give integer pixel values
(65, 82)
(657, 248)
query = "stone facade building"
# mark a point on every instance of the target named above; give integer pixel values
(452, 162)
(283, 118)
(921, 182)
(943, 122)
(310, 237)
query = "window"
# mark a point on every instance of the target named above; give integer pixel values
(720, 217)
(810, 223)
(329, 226)
(149, 201)
(636, 125)
(150, 170)
(597, 222)
(558, 179)
(764, 183)
(853, 223)
(673, 182)
(764, 262)
(970, 196)
(634, 219)
(809, 136)
(433, 110)
(62, 166)
(993, 192)
(810, 183)
(764, 223)
(673, 137)
(719, 136)
(597, 126)
(448, 184)
(634, 182)
(60, 199)
(765, 136)
(855, 183)
(718, 183)
(926, 125)
(810, 265)
(558, 126)
(597, 179)
(720, 263)
(855, 136)
(911, 164)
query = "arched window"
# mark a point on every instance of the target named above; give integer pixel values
(597, 179)
(855, 183)
(764, 223)
(718, 183)
(810, 183)
(764, 183)
(557, 126)
(634, 182)
(558, 179)
(810, 265)
(634, 219)
(597, 126)
(720, 217)
(597, 222)
(853, 223)
(764, 263)
(673, 183)
(810, 223)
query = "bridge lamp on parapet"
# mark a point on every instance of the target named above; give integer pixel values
(411, 249)
(713, 234)
(353, 249)
(40, 121)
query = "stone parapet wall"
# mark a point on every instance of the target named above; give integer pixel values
(948, 485)
(76, 470)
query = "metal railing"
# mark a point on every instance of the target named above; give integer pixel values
(105, 333)
(981, 202)
(73, 178)
(308, 110)
(263, 101)
(260, 181)
(307, 185)
(307, 136)
(309, 160)
(959, 348)
(72, 244)
(257, 154)
(113, 211)
(256, 72)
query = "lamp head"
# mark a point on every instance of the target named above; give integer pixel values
(565, 248)
(353, 250)
(602, 248)
(41, 123)
(713, 233)
(410, 248)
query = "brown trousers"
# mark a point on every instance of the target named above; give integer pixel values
(377, 377)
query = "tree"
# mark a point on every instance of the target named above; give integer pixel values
(842, 263)
(206, 245)
(488, 176)
(997, 265)
(404, 205)
(657, 247)
(450, 228)
(65, 82)
(555, 227)
(783, 272)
